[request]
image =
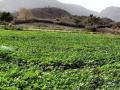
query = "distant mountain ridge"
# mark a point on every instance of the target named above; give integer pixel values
(15, 5)
(111, 12)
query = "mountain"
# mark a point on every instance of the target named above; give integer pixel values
(111, 12)
(78, 10)
(14, 5)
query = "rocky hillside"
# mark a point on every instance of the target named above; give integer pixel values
(49, 13)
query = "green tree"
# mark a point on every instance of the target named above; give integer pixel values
(6, 17)
(92, 20)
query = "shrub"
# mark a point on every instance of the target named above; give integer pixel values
(19, 29)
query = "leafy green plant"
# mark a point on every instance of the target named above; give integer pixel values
(58, 61)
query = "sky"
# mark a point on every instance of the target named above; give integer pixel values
(96, 5)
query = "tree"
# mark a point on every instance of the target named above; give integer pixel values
(24, 14)
(92, 20)
(77, 21)
(6, 17)
(91, 15)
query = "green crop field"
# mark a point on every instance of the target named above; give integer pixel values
(33, 60)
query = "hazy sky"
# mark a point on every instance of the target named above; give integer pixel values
(96, 5)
